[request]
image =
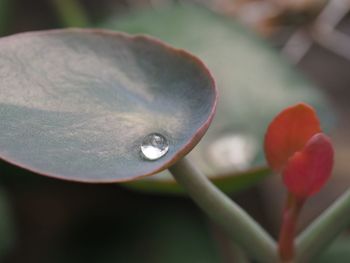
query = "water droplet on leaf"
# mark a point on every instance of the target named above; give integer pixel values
(154, 146)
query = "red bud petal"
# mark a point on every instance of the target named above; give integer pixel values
(288, 133)
(308, 170)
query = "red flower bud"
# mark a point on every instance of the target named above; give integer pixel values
(288, 133)
(295, 147)
(308, 170)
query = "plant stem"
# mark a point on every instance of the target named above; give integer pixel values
(71, 13)
(324, 229)
(233, 219)
(287, 234)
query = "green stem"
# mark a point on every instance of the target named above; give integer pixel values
(233, 219)
(324, 229)
(71, 13)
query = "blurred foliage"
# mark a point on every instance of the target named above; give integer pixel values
(71, 13)
(169, 234)
(5, 15)
(72, 222)
(229, 183)
(269, 16)
(338, 252)
(7, 233)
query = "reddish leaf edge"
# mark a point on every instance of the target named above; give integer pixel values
(140, 37)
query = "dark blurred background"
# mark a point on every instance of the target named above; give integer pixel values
(44, 220)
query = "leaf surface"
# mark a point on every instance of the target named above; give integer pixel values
(77, 104)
